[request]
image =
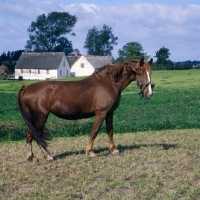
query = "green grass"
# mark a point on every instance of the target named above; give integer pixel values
(174, 105)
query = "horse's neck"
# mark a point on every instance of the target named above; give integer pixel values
(123, 84)
(118, 85)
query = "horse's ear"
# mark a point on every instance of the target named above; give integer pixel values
(151, 61)
(142, 61)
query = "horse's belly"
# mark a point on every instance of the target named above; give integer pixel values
(71, 113)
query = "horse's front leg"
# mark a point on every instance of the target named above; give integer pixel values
(97, 123)
(109, 129)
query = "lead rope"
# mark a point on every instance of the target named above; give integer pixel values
(145, 101)
(141, 113)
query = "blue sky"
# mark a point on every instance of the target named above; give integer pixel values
(174, 24)
(129, 2)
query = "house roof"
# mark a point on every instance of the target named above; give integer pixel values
(72, 59)
(99, 61)
(95, 61)
(47, 60)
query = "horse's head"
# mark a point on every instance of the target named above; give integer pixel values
(143, 78)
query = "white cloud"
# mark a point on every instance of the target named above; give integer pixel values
(152, 24)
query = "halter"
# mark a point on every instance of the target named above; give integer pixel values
(142, 85)
(97, 76)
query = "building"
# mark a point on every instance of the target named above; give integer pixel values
(85, 65)
(54, 65)
(41, 66)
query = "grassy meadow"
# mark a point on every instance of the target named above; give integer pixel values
(158, 139)
(174, 105)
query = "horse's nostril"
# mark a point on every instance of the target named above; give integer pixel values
(147, 95)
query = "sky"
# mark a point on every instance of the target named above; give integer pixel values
(174, 24)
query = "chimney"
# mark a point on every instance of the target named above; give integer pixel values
(76, 52)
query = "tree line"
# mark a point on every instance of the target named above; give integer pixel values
(9, 60)
(48, 34)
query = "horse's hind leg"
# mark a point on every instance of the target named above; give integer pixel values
(109, 129)
(29, 139)
(39, 127)
(47, 154)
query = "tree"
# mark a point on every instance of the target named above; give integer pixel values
(101, 42)
(162, 58)
(48, 33)
(16, 54)
(131, 51)
(9, 60)
(3, 57)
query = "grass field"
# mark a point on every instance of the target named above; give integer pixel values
(151, 165)
(174, 105)
(159, 144)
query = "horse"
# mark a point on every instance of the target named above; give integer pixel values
(97, 95)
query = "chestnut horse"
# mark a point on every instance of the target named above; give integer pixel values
(97, 95)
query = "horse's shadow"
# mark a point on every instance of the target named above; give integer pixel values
(121, 149)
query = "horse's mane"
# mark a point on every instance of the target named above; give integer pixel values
(115, 67)
(114, 70)
(105, 67)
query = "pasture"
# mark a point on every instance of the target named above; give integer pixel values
(159, 143)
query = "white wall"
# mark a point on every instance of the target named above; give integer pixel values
(77, 70)
(64, 68)
(34, 74)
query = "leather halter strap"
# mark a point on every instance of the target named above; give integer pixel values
(97, 76)
(142, 85)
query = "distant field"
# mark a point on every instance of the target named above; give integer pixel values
(174, 105)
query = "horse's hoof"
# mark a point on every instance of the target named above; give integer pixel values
(115, 151)
(49, 158)
(32, 158)
(90, 153)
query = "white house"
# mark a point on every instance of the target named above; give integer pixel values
(85, 65)
(41, 66)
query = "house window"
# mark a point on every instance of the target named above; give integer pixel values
(22, 71)
(82, 65)
(47, 71)
(63, 63)
(29, 71)
(38, 71)
(60, 72)
(67, 72)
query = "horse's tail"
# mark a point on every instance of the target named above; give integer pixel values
(29, 119)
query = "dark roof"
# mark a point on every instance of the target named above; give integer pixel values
(47, 60)
(95, 61)
(72, 59)
(99, 61)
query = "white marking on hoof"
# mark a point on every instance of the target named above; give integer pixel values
(115, 151)
(90, 153)
(49, 158)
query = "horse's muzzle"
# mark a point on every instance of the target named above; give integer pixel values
(148, 94)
